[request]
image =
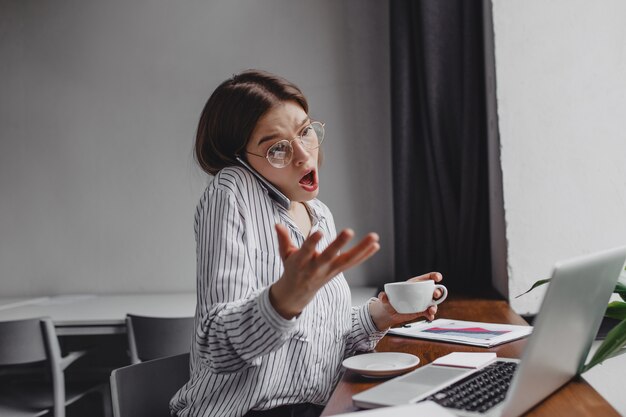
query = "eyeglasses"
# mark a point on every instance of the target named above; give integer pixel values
(279, 155)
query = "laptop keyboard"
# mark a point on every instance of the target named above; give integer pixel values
(479, 391)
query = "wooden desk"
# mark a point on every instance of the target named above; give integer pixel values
(577, 398)
(97, 314)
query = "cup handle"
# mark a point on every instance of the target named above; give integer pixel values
(443, 296)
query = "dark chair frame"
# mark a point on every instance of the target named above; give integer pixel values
(32, 341)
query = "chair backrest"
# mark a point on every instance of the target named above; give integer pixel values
(157, 337)
(35, 340)
(145, 389)
(22, 341)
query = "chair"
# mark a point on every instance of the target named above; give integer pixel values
(29, 342)
(145, 389)
(157, 337)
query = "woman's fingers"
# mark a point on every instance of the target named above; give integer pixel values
(429, 313)
(358, 258)
(382, 296)
(333, 249)
(310, 244)
(287, 248)
(359, 253)
(366, 243)
(332, 256)
(372, 249)
(330, 262)
(435, 276)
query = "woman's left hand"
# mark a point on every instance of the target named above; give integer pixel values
(385, 316)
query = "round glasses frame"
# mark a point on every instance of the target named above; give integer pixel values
(280, 154)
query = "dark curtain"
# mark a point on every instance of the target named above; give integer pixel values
(439, 133)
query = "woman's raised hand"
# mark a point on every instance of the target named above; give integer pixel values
(307, 270)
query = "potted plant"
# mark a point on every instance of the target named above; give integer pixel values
(615, 340)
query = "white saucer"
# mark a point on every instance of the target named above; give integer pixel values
(382, 364)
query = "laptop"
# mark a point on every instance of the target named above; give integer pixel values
(568, 320)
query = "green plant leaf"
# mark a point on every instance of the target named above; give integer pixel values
(620, 288)
(539, 283)
(619, 352)
(615, 340)
(616, 310)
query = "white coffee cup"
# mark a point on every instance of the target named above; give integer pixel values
(414, 296)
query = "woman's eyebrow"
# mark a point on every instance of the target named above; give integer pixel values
(275, 135)
(304, 122)
(268, 137)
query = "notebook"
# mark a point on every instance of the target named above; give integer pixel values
(569, 317)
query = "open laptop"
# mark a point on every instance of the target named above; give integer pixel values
(569, 317)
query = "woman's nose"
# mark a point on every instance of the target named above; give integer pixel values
(300, 154)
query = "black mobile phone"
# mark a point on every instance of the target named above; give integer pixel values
(273, 191)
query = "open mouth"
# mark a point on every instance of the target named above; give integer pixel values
(308, 181)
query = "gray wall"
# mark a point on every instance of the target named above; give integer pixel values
(98, 111)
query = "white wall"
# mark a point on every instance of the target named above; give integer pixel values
(98, 110)
(560, 69)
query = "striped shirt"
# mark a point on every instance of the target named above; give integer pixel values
(244, 355)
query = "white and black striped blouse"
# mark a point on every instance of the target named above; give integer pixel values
(244, 355)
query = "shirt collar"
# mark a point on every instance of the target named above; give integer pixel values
(314, 212)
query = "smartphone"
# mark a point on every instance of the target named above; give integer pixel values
(273, 191)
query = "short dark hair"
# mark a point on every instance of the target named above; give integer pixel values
(233, 110)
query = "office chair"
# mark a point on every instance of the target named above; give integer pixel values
(145, 389)
(29, 342)
(157, 337)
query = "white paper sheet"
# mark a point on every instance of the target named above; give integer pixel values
(473, 360)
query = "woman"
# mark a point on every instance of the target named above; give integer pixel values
(274, 319)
